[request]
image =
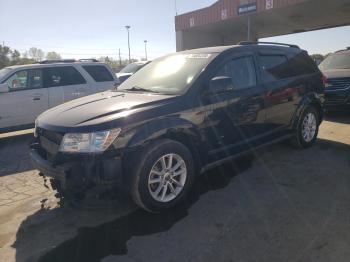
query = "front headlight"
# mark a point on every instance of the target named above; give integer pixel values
(88, 142)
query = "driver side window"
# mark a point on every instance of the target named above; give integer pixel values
(18, 80)
(241, 71)
(25, 79)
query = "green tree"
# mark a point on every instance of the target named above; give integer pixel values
(53, 55)
(15, 57)
(317, 57)
(5, 52)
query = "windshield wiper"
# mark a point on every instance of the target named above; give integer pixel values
(137, 88)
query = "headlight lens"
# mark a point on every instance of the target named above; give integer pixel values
(88, 142)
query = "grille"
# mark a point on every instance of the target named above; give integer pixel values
(339, 83)
(50, 142)
(52, 136)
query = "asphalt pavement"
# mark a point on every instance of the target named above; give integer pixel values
(277, 204)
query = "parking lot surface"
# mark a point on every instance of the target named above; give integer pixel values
(278, 204)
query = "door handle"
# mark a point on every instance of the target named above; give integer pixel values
(36, 97)
(79, 91)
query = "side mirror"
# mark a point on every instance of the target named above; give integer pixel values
(220, 84)
(4, 88)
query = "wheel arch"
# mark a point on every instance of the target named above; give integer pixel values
(176, 129)
(311, 99)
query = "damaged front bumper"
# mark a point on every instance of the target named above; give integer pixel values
(80, 173)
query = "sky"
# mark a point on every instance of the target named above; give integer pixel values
(85, 28)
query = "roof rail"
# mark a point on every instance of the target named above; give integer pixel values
(53, 61)
(267, 43)
(88, 60)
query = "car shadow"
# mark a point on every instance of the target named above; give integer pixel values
(94, 242)
(14, 157)
(338, 117)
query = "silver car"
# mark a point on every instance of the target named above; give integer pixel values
(28, 90)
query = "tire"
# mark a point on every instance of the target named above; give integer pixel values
(149, 175)
(305, 134)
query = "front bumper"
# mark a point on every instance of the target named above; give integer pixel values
(85, 172)
(337, 99)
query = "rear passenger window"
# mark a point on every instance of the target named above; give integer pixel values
(241, 71)
(302, 64)
(274, 67)
(62, 76)
(99, 73)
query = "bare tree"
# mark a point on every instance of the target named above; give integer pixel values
(53, 55)
(36, 53)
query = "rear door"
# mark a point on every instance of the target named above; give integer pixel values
(64, 83)
(26, 99)
(101, 77)
(282, 96)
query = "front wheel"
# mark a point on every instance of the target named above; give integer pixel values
(307, 129)
(162, 176)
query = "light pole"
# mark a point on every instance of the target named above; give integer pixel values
(248, 29)
(175, 7)
(145, 48)
(128, 28)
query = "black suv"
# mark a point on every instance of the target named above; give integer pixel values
(178, 116)
(336, 68)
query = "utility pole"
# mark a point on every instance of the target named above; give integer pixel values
(146, 48)
(127, 29)
(120, 59)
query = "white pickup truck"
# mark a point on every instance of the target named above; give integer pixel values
(28, 90)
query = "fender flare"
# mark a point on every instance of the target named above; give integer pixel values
(159, 128)
(307, 100)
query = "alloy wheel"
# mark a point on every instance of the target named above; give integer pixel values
(309, 127)
(167, 178)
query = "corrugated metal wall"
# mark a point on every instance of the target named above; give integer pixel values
(213, 13)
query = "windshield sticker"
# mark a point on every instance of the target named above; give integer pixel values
(200, 56)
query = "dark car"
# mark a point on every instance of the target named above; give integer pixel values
(336, 68)
(130, 69)
(179, 116)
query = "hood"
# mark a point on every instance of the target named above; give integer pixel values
(337, 73)
(99, 108)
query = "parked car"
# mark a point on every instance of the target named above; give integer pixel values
(179, 116)
(28, 90)
(130, 69)
(336, 68)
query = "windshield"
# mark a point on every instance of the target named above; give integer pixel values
(131, 68)
(167, 75)
(3, 72)
(336, 61)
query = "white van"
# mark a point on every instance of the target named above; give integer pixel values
(28, 90)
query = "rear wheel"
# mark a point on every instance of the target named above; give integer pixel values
(162, 176)
(307, 128)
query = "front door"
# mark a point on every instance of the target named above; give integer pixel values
(26, 99)
(237, 116)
